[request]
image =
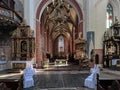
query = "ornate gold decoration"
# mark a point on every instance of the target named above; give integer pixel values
(22, 43)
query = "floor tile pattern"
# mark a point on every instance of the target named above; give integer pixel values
(59, 81)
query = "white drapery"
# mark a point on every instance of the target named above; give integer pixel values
(29, 71)
(91, 80)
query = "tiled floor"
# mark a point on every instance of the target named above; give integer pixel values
(59, 80)
(80, 88)
(68, 79)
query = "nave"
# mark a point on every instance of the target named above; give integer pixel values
(68, 79)
(59, 80)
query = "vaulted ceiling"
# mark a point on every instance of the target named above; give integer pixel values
(59, 18)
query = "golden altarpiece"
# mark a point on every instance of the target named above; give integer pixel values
(22, 46)
(111, 45)
(80, 51)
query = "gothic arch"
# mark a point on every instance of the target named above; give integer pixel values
(44, 3)
(115, 5)
(40, 8)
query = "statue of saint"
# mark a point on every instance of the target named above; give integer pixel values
(116, 20)
(80, 35)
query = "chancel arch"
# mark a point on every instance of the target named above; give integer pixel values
(57, 17)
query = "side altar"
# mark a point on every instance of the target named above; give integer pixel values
(22, 46)
(111, 45)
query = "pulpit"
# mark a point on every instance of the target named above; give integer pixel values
(22, 45)
(80, 53)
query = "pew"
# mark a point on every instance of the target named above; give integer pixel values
(115, 85)
(12, 84)
(4, 87)
(108, 84)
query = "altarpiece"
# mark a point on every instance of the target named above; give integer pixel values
(22, 45)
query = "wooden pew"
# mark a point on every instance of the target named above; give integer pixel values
(115, 85)
(4, 87)
(108, 84)
(12, 84)
(99, 87)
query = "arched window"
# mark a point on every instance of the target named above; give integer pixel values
(109, 16)
(61, 44)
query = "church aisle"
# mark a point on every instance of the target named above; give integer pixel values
(67, 80)
(60, 80)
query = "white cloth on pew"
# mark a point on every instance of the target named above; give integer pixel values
(95, 69)
(29, 71)
(114, 61)
(91, 81)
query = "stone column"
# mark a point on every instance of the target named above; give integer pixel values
(73, 39)
(50, 46)
(45, 43)
(29, 13)
(70, 45)
(38, 61)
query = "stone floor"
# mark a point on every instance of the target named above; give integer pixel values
(80, 88)
(62, 78)
(59, 80)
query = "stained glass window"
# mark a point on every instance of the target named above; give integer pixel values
(61, 44)
(109, 16)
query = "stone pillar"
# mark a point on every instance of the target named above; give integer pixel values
(29, 13)
(45, 43)
(70, 45)
(48, 41)
(73, 39)
(38, 61)
(80, 27)
(65, 45)
(50, 47)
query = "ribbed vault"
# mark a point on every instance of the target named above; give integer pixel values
(59, 17)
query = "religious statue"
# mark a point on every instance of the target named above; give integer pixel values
(80, 35)
(116, 20)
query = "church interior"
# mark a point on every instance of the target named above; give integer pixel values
(59, 44)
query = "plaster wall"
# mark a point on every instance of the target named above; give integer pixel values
(19, 7)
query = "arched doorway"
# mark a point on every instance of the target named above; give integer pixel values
(57, 17)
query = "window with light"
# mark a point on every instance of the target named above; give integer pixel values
(109, 16)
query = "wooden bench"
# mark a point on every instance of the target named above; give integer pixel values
(108, 84)
(12, 84)
(4, 87)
